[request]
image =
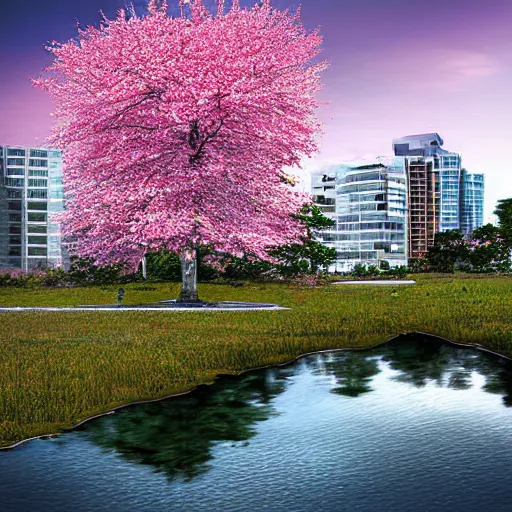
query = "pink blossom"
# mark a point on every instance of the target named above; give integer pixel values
(176, 131)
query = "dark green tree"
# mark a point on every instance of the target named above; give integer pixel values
(450, 251)
(504, 213)
(310, 255)
(490, 252)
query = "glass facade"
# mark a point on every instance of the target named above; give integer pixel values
(370, 215)
(448, 194)
(471, 201)
(323, 190)
(441, 196)
(30, 193)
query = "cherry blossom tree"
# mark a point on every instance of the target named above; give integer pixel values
(176, 132)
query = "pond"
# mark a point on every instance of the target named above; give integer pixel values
(411, 425)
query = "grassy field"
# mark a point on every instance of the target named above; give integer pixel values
(57, 368)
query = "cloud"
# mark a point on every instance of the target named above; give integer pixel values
(426, 67)
(470, 64)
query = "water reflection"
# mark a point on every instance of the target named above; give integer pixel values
(177, 436)
(352, 371)
(421, 360)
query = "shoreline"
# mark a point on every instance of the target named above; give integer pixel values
(219, 375)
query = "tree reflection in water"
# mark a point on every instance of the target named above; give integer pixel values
(420, 359)
(176, 436)
(353, 372)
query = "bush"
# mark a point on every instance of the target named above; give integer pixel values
(400, 271)
(360, 270)
(384, 265)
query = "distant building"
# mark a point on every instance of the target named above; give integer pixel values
(471, 201)
(370, 214)
(391, 208)
(30, 192)
(323, 190)
(435, 189)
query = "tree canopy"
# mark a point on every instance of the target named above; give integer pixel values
(176, 131)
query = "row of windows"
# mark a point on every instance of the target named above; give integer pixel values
(31, 228)
(37, 182)
(346, 189)
(16, 161)
(364, 207)
(31, 217)
(356, 237)
(450, 161)
(374, 176)
(14, 182)
(361, 226)
(16, 206)
(31, 194)
(32, 251)
(37, 162)
(37, 153)
(33, 240)
(15, 171)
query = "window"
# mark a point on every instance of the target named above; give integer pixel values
(15, 152)
(14, 182)
(36, 217)
(40, 240)
(38, 172)
(37, 206)
(15, 171)
(14, 217)
(16, 161)
(15, 240)
(37, 194)
(56, 206)
(36, 162)
(14, 251)
(14, 194)
(14, 230)
(37, 251)
(55, 154)
(39, 153)
(34, 228)
(450, 161)
(37, 183)
(14, 205)
(57, 194)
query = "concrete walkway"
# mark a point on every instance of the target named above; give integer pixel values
(391, 282)
(159, 306)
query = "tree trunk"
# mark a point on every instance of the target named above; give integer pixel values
(188, 277)
(144, 268)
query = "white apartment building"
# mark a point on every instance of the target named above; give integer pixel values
(31, 192)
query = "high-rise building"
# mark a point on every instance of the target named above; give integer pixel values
(471, 201)
(370, 214)
(30, 192)
(434, 181)
(390, 209)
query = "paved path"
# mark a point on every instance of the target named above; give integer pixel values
(159, 306)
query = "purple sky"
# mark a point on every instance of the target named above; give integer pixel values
(398, 67)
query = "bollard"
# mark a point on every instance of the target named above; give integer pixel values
(120, 296)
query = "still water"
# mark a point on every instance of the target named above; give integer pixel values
(414, 425)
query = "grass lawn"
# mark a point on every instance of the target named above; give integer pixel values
(57, 368)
